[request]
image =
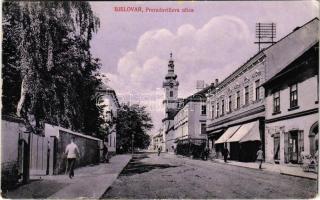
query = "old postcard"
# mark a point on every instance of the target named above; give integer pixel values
(160, 100)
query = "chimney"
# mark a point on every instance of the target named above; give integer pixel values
(216, 82)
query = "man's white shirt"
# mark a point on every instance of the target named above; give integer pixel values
(72, 150)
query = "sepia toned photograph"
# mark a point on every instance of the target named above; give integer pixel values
(160, 99)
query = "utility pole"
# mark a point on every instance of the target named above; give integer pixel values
(132, 139)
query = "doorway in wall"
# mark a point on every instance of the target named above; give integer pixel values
(314, 138)
(293, 147)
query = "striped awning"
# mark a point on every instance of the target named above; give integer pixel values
(247, 132)
(226, 135)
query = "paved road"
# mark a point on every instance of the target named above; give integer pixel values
(167, 176)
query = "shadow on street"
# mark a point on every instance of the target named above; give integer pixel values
(135, 166)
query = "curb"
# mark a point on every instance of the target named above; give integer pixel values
(294, 175)
(282, 173)
(106, 190)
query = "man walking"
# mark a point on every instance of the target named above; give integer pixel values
(260, 157)
(225, 153)
(72, 153)
(159, 151)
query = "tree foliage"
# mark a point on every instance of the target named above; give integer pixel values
(133, 120)
(49, 74)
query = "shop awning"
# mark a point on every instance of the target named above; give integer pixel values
(212, 133)
(247, 132)
(226, 135)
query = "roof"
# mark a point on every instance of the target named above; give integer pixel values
(298, 63)
(294, 45)
(198, 96)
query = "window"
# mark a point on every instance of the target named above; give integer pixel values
(222, 107)
(217, 110)
(257, 90)
(238, 99)
(230, 104)
(203, 128)
(276, 150)
(212, 112)
(203, 110)
(171, 93)
(293, 95)
(276, 102)
(246, 95)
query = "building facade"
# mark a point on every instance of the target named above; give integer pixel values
(190, 125)
(157, 141)
(292, 110)
(237, 105)
(236, 111)
(109, 101)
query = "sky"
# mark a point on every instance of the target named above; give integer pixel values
(208, 43)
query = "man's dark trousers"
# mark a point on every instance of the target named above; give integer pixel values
(71, 163)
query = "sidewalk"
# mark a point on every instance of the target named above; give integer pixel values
(293, 170)
(88, 182)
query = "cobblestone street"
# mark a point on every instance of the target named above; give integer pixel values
(168, 176)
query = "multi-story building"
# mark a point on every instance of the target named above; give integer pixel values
(109, 101)
(292, 97)
(237, 105)
(236, 111)
(190, 122)
(157, 141)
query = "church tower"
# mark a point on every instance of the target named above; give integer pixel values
(170, 84)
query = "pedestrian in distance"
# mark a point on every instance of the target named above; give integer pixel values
(260, 157)
(105, 153)
(72, 152)
(225, 153)
(206, 153)
(159, 151)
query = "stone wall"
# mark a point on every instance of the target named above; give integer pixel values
(12, 131)
(89, 151)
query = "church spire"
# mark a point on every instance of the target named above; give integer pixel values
(170, 84)
(171, 64)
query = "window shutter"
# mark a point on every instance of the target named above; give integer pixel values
(243, 97)
(227, 104)
(300, 145)
(254, 92)
(235, 101)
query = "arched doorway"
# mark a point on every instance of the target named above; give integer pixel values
(314, 138)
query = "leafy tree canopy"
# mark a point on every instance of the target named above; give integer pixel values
(133, 120)
(49, 74)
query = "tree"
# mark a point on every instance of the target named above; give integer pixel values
(133, 120)
(47, 61)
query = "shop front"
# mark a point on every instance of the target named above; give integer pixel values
(245, 142)
(287, 141)
(191, 147)
(222, 141)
